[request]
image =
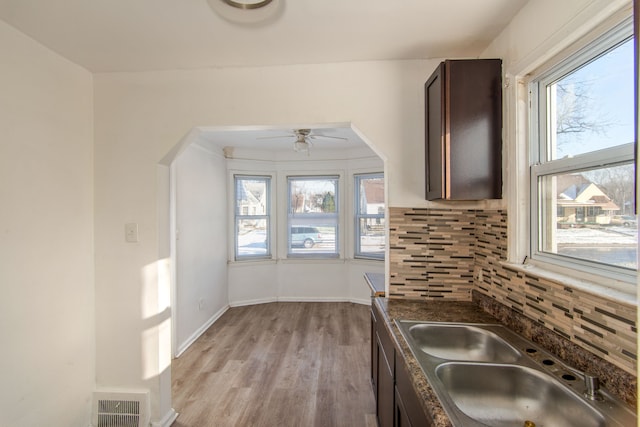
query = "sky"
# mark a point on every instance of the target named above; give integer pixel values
(610, 83)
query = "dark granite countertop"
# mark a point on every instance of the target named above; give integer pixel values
(616, 380)
(375, 281)
(436, 311)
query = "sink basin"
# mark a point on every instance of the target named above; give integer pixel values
(508, 395)
(487, 375)
(462, 342)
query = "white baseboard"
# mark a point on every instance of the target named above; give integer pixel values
(300, 299)
(201, 330)
(252, 302)
(167, 420)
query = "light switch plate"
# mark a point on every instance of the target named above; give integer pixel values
(131, 232)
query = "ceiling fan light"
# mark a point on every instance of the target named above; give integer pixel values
(301, 146)
(247, 4)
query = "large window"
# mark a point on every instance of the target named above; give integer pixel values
(369, 216)
(252, 217)
(583, 165)
(313, 216)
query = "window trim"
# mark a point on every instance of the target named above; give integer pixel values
(357, 253)
(237, 216)
(539, 166)
(336, 216)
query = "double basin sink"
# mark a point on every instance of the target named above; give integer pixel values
(487, 375)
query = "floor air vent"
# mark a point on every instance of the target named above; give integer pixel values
(115, 409)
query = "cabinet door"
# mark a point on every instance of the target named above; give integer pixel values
(409, 410)
(434, 135)
(385, 395)
(374, 355)
(463, 130)
(473, 129)
(400, 417)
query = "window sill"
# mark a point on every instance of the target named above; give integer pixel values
(311, 259)
(614, 290)
(304, 260)
(366, 260)
(256, 261)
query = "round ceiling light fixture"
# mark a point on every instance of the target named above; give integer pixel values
(248, 4)
(250, 12)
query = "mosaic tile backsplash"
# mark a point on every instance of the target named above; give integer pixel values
(448, 253)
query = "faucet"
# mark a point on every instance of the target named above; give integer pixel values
(592, 383)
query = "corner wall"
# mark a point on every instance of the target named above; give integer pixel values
(201, 293)
(46, 237)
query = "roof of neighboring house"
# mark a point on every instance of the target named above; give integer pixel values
(576, 190)
(374, 190)
(251, 192)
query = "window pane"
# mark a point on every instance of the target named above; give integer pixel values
(313, 216)
(312, 195)
(251, 196)
(252, 237)
(370, 221)
(371, 195)
(590, 215)
(592, 107)
(312, 238)
(372, 237)
(252, 217)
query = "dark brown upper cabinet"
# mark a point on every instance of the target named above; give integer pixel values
(463, 130)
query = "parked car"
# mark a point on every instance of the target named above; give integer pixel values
(305, 236)
(625, 220)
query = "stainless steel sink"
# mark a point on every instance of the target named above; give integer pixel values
(462, 342)
(487, 375)
(509, 395)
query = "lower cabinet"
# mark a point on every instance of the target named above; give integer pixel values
(385, 399)
(408, 410)
(374, 355)
(400, 418)
(397, 404)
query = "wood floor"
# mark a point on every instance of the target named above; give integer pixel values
(278, 364)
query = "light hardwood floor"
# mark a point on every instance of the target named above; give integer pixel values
(278, 364)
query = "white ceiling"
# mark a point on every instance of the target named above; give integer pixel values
(337, 138)
(140, 35)
(144, 35)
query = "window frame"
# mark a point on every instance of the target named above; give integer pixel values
(541, 166)
(336, 216)
(237, 216)
(358, 254)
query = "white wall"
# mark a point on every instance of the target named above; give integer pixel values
(201, 247)
(46, 161)
(47, 372)
(139, 117)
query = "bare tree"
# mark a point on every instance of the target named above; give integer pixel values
(576, 111)
(578, 114)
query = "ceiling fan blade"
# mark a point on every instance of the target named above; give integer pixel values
(275, 137)
(327, 136)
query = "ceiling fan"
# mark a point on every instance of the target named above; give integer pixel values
(303, 142)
